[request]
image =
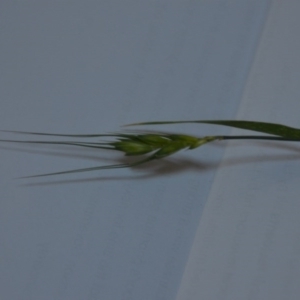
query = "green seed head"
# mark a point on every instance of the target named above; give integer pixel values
(154, 140)
(187, 141)
(163, 144)
(169, 149)
(202, 141)
(132, 147)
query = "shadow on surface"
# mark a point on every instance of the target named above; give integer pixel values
(159, 168)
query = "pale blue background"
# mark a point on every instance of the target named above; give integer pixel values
(91, 66)
(247, 245)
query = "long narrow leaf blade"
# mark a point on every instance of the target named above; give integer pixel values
(264, 127)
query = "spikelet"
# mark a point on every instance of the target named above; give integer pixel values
(163, 144)
(157, 146)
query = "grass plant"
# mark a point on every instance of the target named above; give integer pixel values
(157, 145)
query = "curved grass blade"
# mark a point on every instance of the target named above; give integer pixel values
(264, 127)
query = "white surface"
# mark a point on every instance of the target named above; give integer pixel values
(247, 244)
(92, 66)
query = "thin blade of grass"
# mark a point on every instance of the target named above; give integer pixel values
(80, 144)
(61, 135)
(119, 166)
(264, 127)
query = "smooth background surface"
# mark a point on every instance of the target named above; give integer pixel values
(247, 245)
(90, 67)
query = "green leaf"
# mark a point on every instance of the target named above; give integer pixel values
(264, 127)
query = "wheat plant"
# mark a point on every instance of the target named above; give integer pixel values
(157, 145)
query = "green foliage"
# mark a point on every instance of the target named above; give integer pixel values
(263, 127)
(159, 145)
